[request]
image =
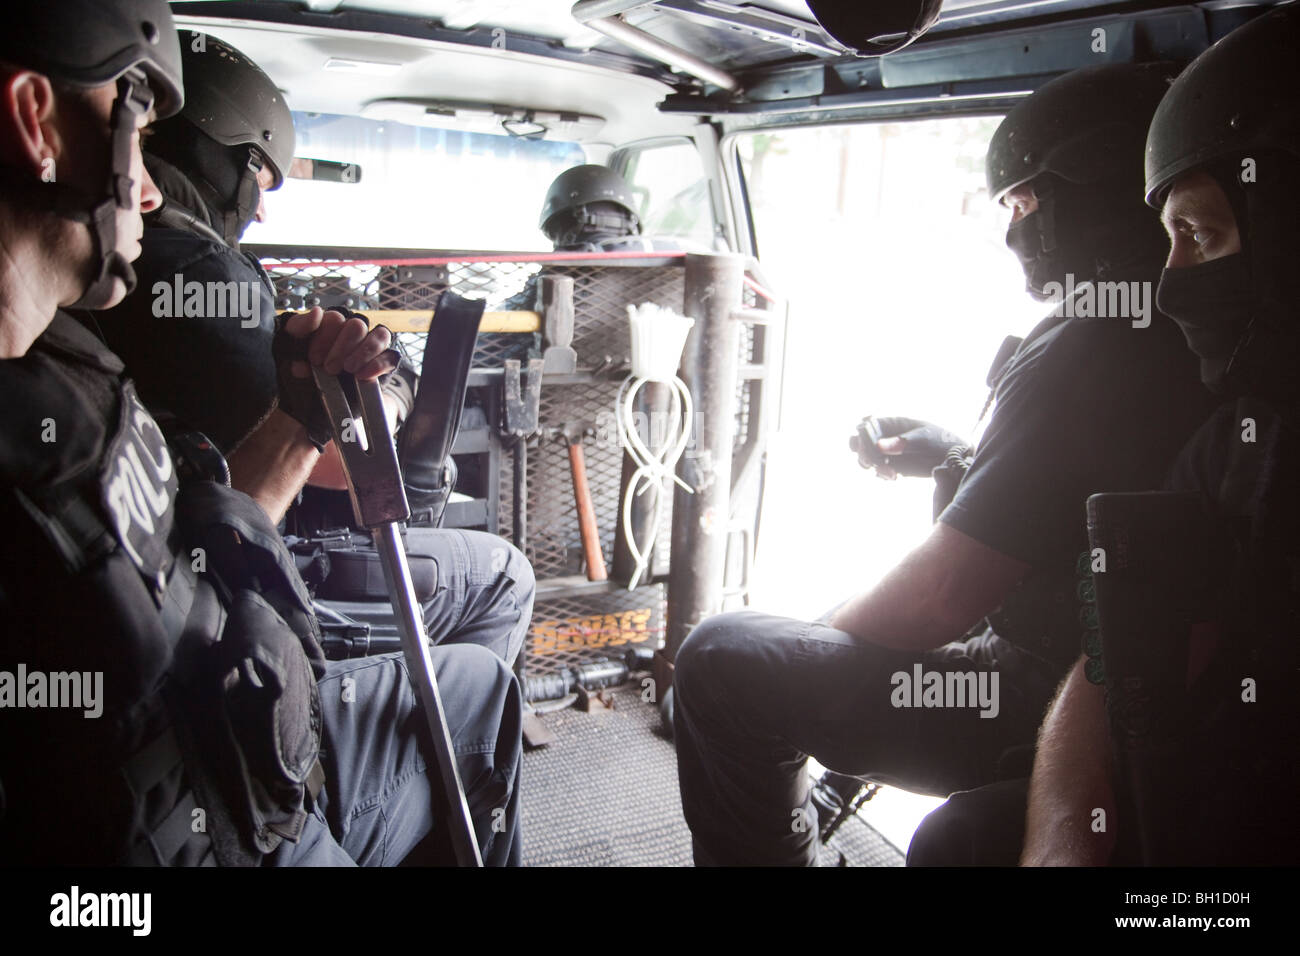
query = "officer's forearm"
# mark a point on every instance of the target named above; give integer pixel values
(328, 470)
(273, 463)
(934, 595)
(896, 614)
(1071, 818)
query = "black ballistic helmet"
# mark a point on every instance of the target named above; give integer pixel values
(1238, 97)
(1079, 140)
(91, 43)
(232, 101)
(235, 122)
(875, 27)
(1236, 109)
(1088, 126)
(565, 212)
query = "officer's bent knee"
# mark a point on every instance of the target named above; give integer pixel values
(712, 643)
(521, 570)
(470, 666)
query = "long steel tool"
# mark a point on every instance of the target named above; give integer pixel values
(379, 504)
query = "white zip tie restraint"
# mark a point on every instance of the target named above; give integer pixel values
(658, 336)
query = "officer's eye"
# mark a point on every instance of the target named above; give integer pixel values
(1019, 208)
(1198, 235)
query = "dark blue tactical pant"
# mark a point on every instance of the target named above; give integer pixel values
(381, 778)
(485, 590)
(757, 694)
(981, 827)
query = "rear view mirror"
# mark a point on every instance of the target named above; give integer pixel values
(325, 171)
(875, 27)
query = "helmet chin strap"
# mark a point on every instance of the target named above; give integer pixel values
(247, 197)
(230, 212)
(587, 227)
(134, 99)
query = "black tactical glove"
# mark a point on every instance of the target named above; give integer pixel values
(927, 445)
(299, 397)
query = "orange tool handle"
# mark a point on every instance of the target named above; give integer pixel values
(586, 515)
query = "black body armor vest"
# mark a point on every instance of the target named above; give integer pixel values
(169, 607)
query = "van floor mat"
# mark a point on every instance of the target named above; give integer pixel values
(604, 793)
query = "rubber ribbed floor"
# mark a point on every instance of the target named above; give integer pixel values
(605, 794)
(856, 843)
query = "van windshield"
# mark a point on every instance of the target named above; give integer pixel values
(420, 187)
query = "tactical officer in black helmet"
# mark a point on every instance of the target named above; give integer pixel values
(233, 140)
(70, 220)
(211, 162)
(1056, 153)
(163, 698)
(1223, 165)
(1087, 401)
(591, 209)
(1054, 160)
(214, 372)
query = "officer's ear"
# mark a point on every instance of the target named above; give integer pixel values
(29, 137)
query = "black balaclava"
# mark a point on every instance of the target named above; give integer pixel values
(225, 177)
(1236, 312)
(183, 206)
(1090, 231)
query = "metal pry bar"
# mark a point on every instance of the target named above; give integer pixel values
(379, 504)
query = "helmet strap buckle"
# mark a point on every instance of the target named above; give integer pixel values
(122, 190)
(134, 100)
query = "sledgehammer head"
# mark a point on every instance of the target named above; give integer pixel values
(556, 304)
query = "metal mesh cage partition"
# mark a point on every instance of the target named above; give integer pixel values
(568, 631)
(570, 625)
(601, 296)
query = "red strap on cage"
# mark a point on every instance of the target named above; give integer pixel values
(531, 257)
